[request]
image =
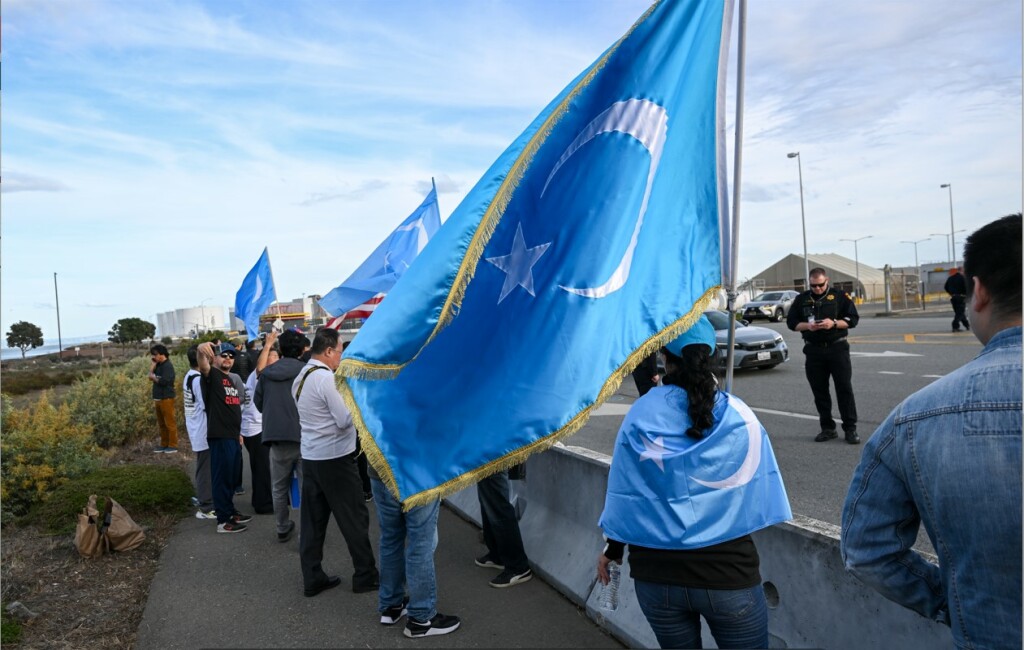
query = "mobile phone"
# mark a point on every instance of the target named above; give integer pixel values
(278, 325)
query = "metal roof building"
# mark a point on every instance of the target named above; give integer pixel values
(843, 272)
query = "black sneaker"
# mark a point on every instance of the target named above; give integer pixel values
(487, 562)
(826, 434)
(509, 578)
(170, 450)
(368, 496)
(392, 615)
(286, 535)
(440, 624)
(239, 518)
(852, 437)
(230, 527)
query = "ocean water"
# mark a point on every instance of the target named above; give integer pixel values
(50, 346)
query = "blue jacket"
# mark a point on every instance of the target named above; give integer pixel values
(948, 456)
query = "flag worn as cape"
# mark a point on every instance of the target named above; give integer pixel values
(255, 295)
(591, 241)
(667, 490)
(379, 272)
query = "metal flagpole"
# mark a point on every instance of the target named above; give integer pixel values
(741, 54)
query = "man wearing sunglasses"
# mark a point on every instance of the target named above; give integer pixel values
(823, 315)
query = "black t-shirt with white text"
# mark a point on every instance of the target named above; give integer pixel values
(223, 405)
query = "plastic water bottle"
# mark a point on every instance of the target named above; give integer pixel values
(609, 599)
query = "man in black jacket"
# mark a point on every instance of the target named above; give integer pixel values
(161, 373)
(956, 287)
(823, 315)
(281, 431)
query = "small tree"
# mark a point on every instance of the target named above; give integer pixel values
(131, 330)
(24, 335)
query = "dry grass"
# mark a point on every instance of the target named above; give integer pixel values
(83, 603)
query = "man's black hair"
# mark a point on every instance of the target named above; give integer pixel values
(325, 338)
(292, 344)
(817, 271)
(193, 356)
(992, 254)
(159, 348)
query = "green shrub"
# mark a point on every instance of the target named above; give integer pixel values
(145, 491)
(116, 402)
(21, 382)
(42, 447)
(10, 629)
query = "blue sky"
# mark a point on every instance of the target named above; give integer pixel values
(152, 149)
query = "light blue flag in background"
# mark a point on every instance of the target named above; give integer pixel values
(255, 295)
(591, 241)
(667, 490)
(389, 261)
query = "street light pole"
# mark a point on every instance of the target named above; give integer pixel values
(948, 248)
(202, 308)
(917, 265)
(952, 232)
(856, 261)
(803, 221)
(60, 344)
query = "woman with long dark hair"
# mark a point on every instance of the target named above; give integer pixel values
(692, 476)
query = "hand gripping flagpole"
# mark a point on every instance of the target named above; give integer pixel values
(741, 54)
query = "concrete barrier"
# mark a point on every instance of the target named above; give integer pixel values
(813, 601)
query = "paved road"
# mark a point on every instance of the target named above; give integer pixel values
(892, 358)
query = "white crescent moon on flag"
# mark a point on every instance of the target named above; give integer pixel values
(648, 123)
(259, 289)
(752, 460)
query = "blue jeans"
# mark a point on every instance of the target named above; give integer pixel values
(407, 543)
(501, 526)
(738, 618)
(225, 454)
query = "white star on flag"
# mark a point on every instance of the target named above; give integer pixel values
(653, 451)
(518, 264)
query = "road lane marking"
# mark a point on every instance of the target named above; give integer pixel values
(887, 353)
(889, 372)
(802, 416)
(934, 376)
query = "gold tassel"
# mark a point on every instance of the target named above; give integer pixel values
(380, 464)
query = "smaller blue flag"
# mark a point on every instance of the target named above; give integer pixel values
(669, 491)
(255, 295)
(381, 270)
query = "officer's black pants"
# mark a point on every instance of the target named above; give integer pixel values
(832, 361)
(959, 302)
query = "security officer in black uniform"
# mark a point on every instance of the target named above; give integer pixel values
(823, 315)
(956, 287)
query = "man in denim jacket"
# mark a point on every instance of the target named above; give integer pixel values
(950, 456)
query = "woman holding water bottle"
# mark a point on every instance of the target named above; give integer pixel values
(692, 476)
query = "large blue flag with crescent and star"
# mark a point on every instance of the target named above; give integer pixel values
(389, 261)
(667, 490)
(591, 241)
(255, 295)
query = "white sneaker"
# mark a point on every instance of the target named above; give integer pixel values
(206, 515)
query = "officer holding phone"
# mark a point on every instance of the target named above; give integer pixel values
(823, 315)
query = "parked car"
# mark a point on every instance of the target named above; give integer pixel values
(756, 347)
(771, 305)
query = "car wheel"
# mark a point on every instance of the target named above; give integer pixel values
(777, 317)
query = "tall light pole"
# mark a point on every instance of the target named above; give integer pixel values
(949, 250)
(917, 265)
(952, 233)
(803, 221)
(56, 297)
(202, 309)
(856, 260)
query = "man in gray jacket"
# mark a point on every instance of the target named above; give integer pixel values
(281, 432)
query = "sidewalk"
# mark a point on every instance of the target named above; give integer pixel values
(245, 591)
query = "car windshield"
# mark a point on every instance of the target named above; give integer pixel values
(770, 296)
(719, 320)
